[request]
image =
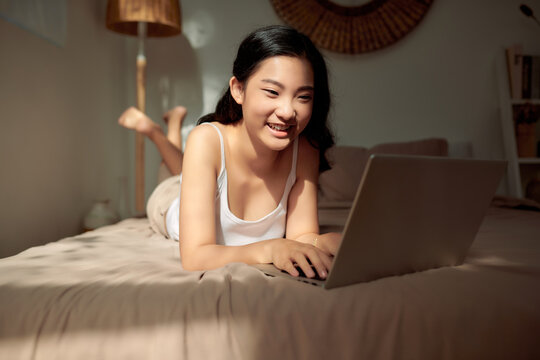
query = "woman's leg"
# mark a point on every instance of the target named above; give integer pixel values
(160, 201)
(174, 118)
(169, 145)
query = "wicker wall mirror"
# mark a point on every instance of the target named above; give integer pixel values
(352, 26)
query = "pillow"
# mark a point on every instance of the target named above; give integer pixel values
(339, 184)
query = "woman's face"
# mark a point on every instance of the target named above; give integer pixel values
(276, 100)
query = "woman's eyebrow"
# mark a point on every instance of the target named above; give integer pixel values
(281, 86)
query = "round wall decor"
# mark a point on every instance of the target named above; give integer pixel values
(352, 29)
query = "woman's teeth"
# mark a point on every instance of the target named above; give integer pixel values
(279, 127)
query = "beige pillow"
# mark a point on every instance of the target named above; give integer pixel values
(348, 162)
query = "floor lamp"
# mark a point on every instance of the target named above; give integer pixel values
(142, 18)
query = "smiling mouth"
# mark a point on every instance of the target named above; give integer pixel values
(278, 127)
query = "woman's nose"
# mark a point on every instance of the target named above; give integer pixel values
(285, 110)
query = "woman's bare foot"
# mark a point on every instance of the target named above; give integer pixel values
(174, 118)
(134, 119)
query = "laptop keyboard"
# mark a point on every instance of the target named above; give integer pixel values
(302, 274)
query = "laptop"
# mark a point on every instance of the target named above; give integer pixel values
(410, 213)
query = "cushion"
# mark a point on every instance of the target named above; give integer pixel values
(339, 184)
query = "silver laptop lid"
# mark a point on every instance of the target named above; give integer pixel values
(413, 213)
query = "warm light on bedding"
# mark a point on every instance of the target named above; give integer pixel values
(120, 293)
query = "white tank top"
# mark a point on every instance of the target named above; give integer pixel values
(231, 230)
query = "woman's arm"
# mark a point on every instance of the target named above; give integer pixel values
(201, 165)
(302, 217)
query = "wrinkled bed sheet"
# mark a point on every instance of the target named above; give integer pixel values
(120, 293)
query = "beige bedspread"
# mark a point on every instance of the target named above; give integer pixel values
(120, 293)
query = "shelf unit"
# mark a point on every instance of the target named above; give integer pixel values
(529, 160)
(516, 176)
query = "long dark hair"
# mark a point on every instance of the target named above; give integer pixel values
(279, 40)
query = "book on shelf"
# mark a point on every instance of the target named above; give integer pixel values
(530, 83)
(523, 73)
(535, 77)
(526, 70)
(515, 73)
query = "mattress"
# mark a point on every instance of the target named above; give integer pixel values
(120, 292)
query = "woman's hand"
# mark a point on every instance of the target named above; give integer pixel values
(286, 253)
(328, 242)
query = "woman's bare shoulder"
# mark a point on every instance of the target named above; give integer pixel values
(204, 132)
(203, 135)
(203, 143)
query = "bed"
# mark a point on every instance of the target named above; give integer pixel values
(120, 292)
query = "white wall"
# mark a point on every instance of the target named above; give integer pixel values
(439, 80)
(61, 148)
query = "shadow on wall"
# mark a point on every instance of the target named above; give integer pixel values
(173, 78)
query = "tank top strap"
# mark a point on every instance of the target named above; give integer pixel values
(291, 179)
(222, 145)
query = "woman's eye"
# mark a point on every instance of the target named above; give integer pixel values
(271, 92)
(305, 97)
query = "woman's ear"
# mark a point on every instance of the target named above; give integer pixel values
(237, 90)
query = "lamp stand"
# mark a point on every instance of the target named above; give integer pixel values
(141, 102)
(143, 18)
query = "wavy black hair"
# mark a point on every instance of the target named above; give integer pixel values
(279, 40)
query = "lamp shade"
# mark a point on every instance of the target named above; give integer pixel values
(162, 17)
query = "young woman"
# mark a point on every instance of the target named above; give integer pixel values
(249, 171)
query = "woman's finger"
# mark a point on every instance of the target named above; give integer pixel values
(317, 260)
(289, 267)
(321, 261)
(301, 261)
(326, 260)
